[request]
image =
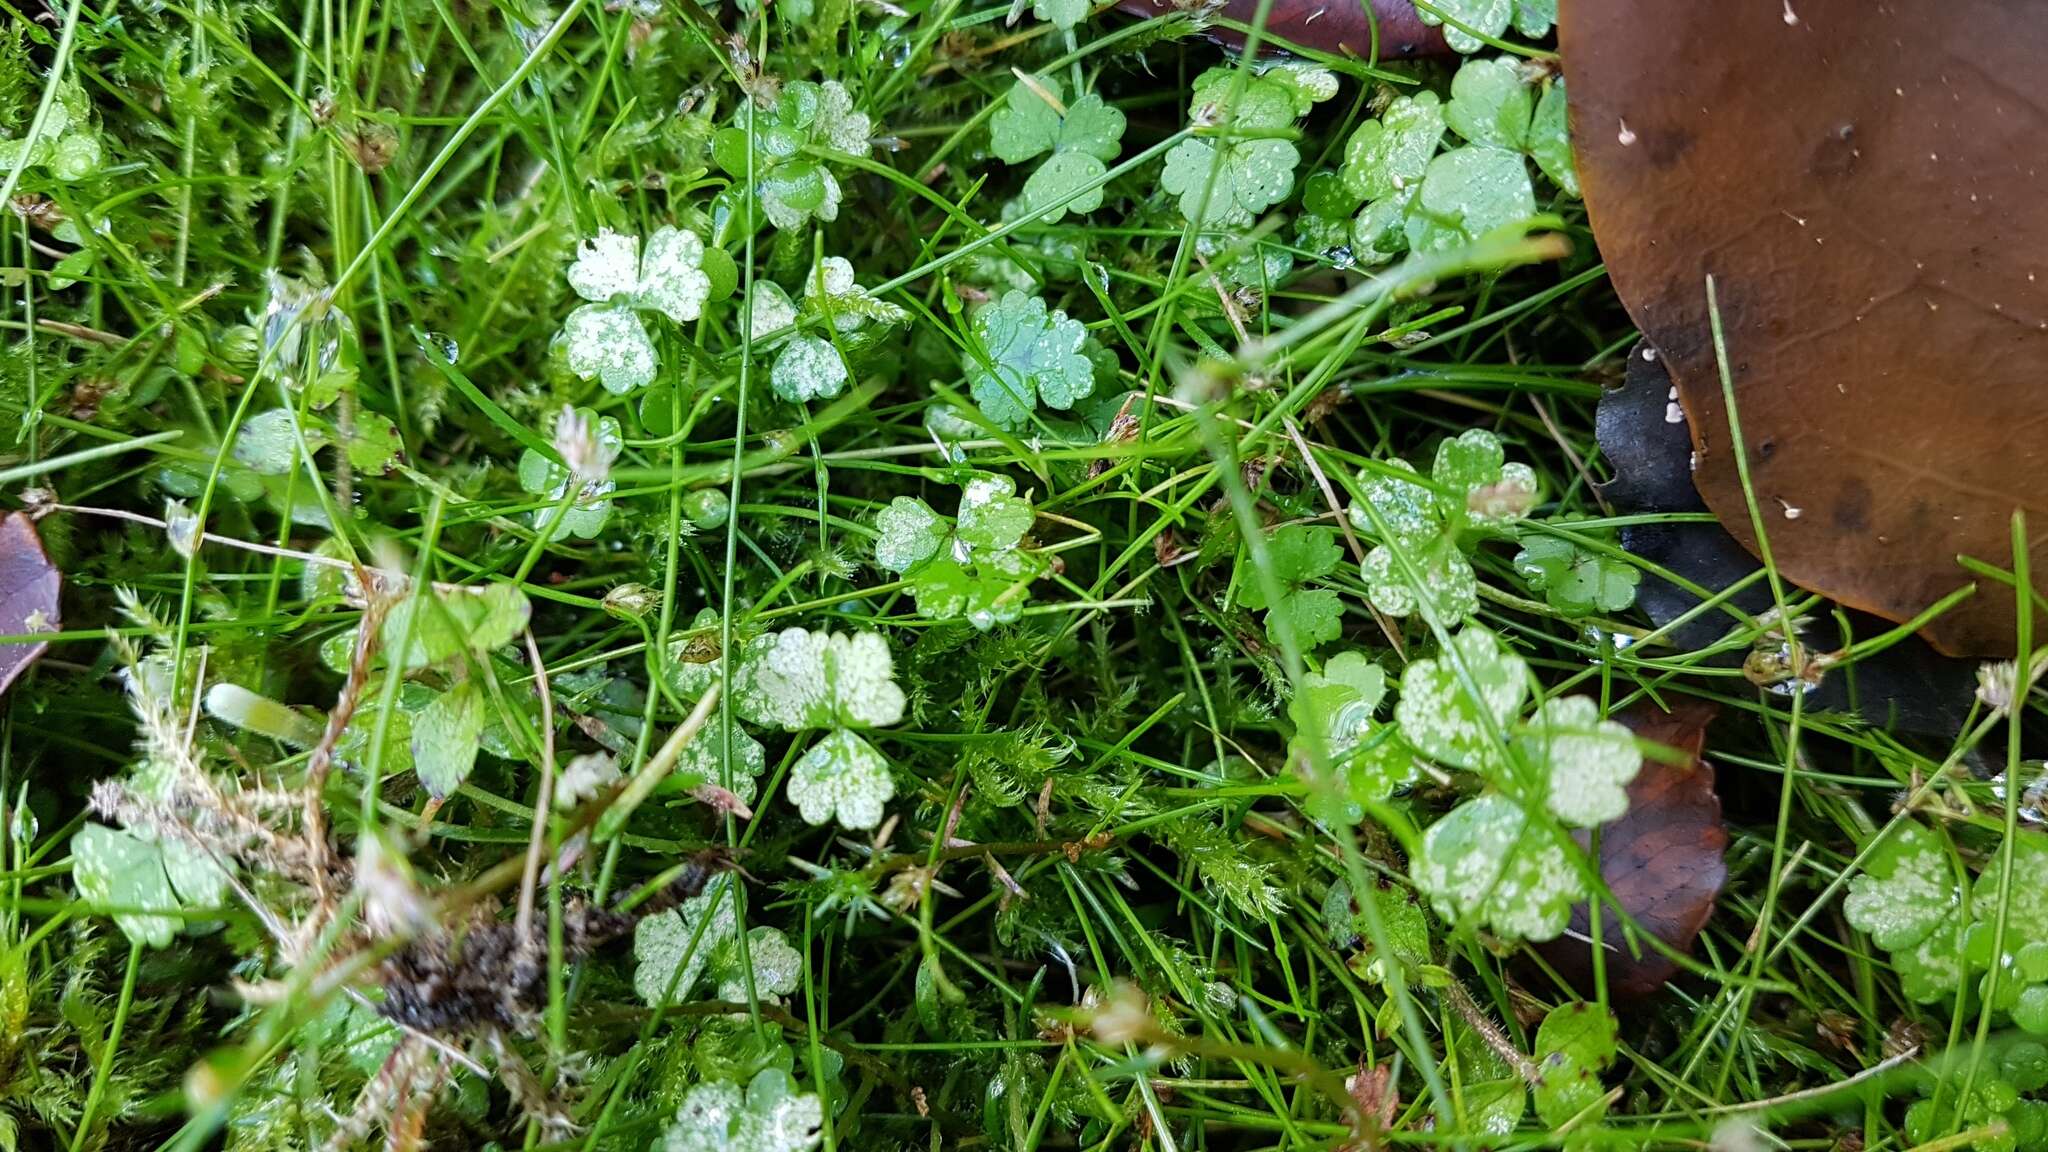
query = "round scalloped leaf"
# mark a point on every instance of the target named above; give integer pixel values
(808, 368)
(1448, 584)
(1406, 511)
(122, 872)
(796, 679)
(1490, 104)
(1389, 155)
(1906, 891)
(910, 533)
(1586, 760)
(842, 775)
(769, 1115)
(444, 738)
(777, 967)
(609, 344)
(1445, 721)
(1485, 864)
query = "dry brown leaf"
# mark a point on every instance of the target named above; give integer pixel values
(29, 584)
(1862, 181)
(1662, 859)
(1340, 27)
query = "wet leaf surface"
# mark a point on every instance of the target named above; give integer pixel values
(1908, 687)
(28, 595)
(1867, 198)
(1339, 27)
(1662, 859)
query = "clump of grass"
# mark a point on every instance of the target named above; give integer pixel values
(851, 576)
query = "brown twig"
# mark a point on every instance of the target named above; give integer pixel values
(545, 802)
(321, 761)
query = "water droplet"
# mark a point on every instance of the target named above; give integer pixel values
(26, 826)
(442, 345)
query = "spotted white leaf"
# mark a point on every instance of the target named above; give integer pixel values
(1587, 761)
(607, 265)
(1406, 510)
(842, 774)
(769, 1115)
(796, 679)
(1487, 864)
(1447, 721)
(672, 949)
(1906, 890)
(808, 368)
(1446, 582)
(703, 762)
(911, 533)
(611, 345)
(769, 309)
(777, 967)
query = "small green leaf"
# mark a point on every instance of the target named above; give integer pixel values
(1550, 142)
(443, 624)
(1448, 723)
(1305, 81)
(267, 444)
(1028, 354)
(1574, 1044)
(1490, 104)
(1575, 580)
(806, 118)
(1299, 554)
(1061, 14)
(993, 517)
(1314, 615)
(1227, 184)
(1467, 193)
(1388, 156)
(1062, 175)
(588, 512)
(770, 1115)
(842, 774)
(1370, 759)
(120, 870)
(444, 738)
(1465, 21)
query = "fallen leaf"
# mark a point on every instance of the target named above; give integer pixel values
(1661, 859)
(28, 595)
(1905, 687)
(1865, 198)
(1339, 27)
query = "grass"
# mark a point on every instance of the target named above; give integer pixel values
(1095, 913)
